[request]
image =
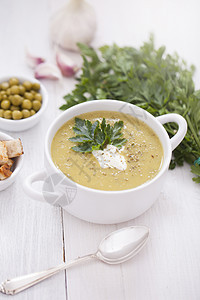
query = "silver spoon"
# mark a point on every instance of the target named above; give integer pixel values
(115, 248)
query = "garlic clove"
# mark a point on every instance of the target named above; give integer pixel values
(66, 65)
(47, 71)
(33, 61)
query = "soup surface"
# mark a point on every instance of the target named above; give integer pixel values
(143, 154)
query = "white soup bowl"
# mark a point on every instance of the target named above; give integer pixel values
(104, 207)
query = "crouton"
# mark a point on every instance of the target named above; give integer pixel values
(9, 162)
(14, 148)
(3, 153)
(8, 150)
(5, 172)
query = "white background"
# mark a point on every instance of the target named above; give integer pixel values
(33, 235)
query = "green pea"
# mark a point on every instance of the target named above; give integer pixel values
(5, 104)
(21, 90)
(26, 104)
(8, 92)
(16, 100)
(17, 115)
(28, 96)
(38, 97)
(13, 81)
(36, 105)
(36, 86)
(7, 114)
(3, 93)
(1, 113)
(4, 97)
(26, 113)
(14, 89)
(4, 85)
(32, 112)
(28, 85)
(33, 92)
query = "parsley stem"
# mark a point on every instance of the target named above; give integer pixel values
(192, 130)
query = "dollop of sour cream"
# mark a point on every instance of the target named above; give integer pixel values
(110, 157)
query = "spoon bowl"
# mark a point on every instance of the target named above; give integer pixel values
(122, 244)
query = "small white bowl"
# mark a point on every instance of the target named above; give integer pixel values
(24, 124)
(18, 161)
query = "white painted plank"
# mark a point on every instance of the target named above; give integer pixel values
(31, 240)
(30, 232)
(169, 267)
(92, 280)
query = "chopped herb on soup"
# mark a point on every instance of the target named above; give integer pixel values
(96, 136)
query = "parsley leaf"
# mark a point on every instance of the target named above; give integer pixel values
(195, 169)
(96, 136)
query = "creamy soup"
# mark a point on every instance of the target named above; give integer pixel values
(139, 160)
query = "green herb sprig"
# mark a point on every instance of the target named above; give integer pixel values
(96, 136)
(149, 78)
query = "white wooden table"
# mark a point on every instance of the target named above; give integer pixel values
(36, 236)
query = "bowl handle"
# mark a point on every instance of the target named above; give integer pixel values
(28, 188)
(182, 127)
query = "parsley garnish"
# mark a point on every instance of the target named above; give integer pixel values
(96, 136)
(196, 170)
(150, 78)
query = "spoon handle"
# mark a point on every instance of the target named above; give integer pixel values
(18, 284)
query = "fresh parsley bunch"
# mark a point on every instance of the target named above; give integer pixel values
(96, 136)
(149, 78)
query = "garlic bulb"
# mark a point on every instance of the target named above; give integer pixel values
(75, 22)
